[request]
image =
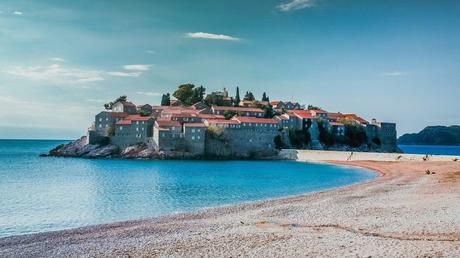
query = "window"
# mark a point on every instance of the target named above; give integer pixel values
(198, 137)
(143, 128)
(137, 129)
(100, 119)
(193, 130)
(106, 119)
(100, 125)
(121, 128)
(137, 122)
(198, 130)
(247, 113)
(163, 135)
(193, 138)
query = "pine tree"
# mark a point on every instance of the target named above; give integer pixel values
(237, 97)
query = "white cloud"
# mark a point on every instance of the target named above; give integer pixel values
(124, 74)
(296, 5)
(137, 67)
(204, 35)
(57, 59)
(149, 93)
(56, 73)
(395, 73)
(150, 52)
(18, 13)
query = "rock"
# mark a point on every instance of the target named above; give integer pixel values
(102, 152)
(79, 148)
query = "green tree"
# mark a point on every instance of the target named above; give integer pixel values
(109, 105)
(249, 96)
(278, 142)
(185, 93)
(237, 97)
(166, 100)
(311, 107)
(265, 97)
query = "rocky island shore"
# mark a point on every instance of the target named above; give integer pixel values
(81, 149)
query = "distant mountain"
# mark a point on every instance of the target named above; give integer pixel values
(433, 135)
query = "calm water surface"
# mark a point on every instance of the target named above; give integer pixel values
(43, 194)
(430, 149)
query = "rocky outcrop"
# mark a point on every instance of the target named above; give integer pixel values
(80, 148)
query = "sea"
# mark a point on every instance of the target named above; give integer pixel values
(431, 149)
(39, 194)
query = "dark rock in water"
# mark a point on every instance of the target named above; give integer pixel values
(79, 148)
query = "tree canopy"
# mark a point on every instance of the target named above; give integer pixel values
(188, 94)
(166, 99)
(237, 97)
(249, 96)
(109, 105)
(311, 107)
(265, 97)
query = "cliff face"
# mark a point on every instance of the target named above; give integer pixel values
(433, 135)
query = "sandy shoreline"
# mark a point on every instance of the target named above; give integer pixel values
(403, 213)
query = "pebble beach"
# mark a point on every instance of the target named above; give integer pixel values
(411, 210)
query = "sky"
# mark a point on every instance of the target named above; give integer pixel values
(61, 60)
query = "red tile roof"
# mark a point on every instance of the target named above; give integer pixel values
(304, 114)
(246, 119)
(168, 123)
(194, 125)
(319, 111)
(221, 121)
(138, 118)
(237, 109)
(210, 116)
(274, 103)
(117, 114)
(123, 122)
(335, 116)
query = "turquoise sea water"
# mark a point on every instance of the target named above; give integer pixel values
(431, 149)
(40, 194)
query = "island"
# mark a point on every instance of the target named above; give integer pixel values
(433, 135)
(196, 125)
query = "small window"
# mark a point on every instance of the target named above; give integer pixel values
(198, 137)
(100, 125)
(121, 128)
(193, 138)
(193, 130)
(100, 119)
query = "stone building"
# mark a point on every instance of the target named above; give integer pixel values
(133, 129)
(285, 105)
(125, 106)
(241, 111)
(194, 137)
(168, 136)
(105, 120)
(383, 134)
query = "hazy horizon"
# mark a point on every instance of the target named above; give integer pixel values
(396, 61)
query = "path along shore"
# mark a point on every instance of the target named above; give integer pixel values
(403, 213)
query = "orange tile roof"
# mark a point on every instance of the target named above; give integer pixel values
(123, 122)
(221, 121)
(117, 114)
(336, 124)
(246, 119)
(138, 118)
(210, 116)
(168, 123)
(304, 114)
(237, 109)
(194, 125)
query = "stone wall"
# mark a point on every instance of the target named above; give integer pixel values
(243, 142)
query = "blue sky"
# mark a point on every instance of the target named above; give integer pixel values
(397, 61)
